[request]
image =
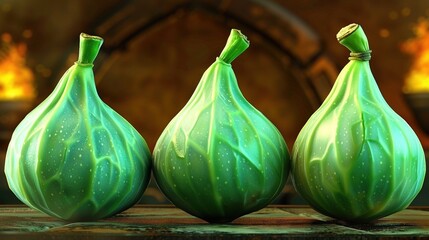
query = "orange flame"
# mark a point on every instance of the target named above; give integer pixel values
(417, 79)
(16, 79)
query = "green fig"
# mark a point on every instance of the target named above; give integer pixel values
(73, 157)
(220, 158)
(356, 159)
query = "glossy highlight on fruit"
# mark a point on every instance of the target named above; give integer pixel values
(220, 158)
(73, 157)
(356, 159)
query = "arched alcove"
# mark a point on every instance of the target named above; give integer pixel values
(155, 54)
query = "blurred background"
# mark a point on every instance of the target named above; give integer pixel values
(155, 52)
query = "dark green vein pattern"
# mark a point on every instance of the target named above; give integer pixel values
(75, 158)
(220, 158)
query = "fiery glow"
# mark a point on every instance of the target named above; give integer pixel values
(417, 79)
(16, 79)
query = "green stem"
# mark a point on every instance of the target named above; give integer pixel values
(88, 48)
(353, 38)
(236, 44)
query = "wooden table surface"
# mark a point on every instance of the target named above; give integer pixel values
(168, 222)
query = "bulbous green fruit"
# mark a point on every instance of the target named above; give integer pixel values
(356, 159)
(220, 158)
(73, 157)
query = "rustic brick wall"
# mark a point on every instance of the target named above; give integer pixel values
(191, 41)
(387, 25)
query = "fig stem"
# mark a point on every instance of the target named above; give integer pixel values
(89, 47)
(354, 38)
(236, 44)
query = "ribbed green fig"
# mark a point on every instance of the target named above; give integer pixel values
(73, 157)
(356, 159)
(220, 158)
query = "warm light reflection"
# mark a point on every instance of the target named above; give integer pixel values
(417, 79)
(16, 79)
